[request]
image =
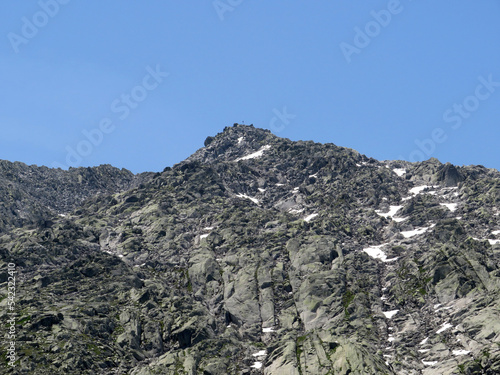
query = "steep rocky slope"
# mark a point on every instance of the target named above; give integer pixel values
(31, 195)
(259, 255)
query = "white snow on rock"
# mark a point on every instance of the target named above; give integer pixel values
(424, 341)
(450, 206)
(260, 353)
(493, 242)
(436, 306)
(62, 215)
(240, 139)
(399, 219)
(444, 327)
(295, 190)
(257, 365)
(280, 184)
(390, 314)
(419, 189)
(495, 232)
(424, 350)
(295, 211)
(313, 175)
(254, 200)
(376, 253)
(391, 213)
(262, 190)
(204, 236)
(399, 171)
(256, 154)
(415, 232)
(208, 228)
(310, 217)
(267, 330)
(460, 352)
(430, 363)
(391, 338)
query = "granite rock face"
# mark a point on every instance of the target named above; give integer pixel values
(256, 255)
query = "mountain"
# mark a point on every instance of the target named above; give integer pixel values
(256, 255)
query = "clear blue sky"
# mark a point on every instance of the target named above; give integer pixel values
(88, 64)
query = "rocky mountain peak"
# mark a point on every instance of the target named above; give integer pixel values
(233, 143)
(256, 255)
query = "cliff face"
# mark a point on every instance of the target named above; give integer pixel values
(256, 255)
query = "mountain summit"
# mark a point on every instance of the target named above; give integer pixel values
(256, 255)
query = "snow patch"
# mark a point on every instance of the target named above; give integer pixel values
(444, 327)
(257, 365)
(450, 206)
(391, 213)
(376, 253)
(261, 190)
(295, 190)
(208, 228)
(256, 201)
(204, 236)
(493, 242)
(418, 189)
(430, 363)
(260, 353)
(310, 217)
(267, 330)
(495, 232)
(460, 352)
(390, 314)
(399, 171)
(240, 139)
(424, 350)
(256, 154)
(313, 175)
(62, 215)
(295, 211)
(424, 341)
(415, 232)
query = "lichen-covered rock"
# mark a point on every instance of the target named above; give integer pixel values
(256, 255)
